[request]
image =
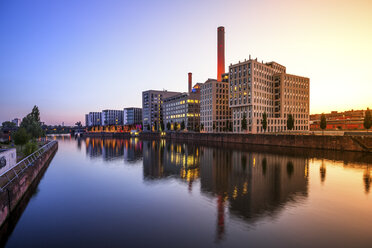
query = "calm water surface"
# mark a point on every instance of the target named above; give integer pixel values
(131, 193)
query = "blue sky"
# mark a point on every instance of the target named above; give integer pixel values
(72, 57)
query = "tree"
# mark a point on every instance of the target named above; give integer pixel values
(290, 122)
(155, 126)
(148, 127)
(367, 120)
(168, 126)
(182, 125)
(264, 121)
(175, 126)
(35, 113)
(214, 126)
(230, 127)
(78, 124)
(8, 124)
(227, 126)
(30, 148)
(323, 122)
(202, 127)
(244, 122)
(32, 123)
(21, 137)
(162, 126)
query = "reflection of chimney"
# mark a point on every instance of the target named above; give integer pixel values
(220, 217)
(190, 82)
(220, 52)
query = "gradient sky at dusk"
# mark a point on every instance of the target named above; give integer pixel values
(72, 57)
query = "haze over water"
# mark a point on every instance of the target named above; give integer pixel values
(131, 193)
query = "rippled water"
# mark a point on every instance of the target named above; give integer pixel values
(132, 193)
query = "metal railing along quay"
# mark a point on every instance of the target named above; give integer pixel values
(8, 176)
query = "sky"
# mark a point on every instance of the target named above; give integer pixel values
(73, 57)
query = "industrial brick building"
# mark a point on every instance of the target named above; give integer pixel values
(347, 120)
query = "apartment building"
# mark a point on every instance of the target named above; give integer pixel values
(215, 114)
(152, 107)
(93, 119)
(132, 116)
(17, 122)
(184, 107)
(112, 117)
(256, 87)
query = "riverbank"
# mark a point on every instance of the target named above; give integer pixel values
(15, 192)
(355, 143)
(327, 142)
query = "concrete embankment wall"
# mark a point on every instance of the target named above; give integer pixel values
(107, 135)
(339, 143)
(358, 142)
(15, 191)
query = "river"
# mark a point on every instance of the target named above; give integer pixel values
(132, 193)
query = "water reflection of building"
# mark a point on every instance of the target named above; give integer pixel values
(163, 160)
(263, 183)
(93, 147)
(252, 185)
(112, 149)
(132, 149)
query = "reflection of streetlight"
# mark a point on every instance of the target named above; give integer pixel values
(367, 179)
(322, 171)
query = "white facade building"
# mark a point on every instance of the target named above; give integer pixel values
(132, 116)
(152, 107)
(93, 119)
(112, 117)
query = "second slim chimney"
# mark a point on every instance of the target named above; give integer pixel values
(190, 82)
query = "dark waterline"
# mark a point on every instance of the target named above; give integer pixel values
(131, 193)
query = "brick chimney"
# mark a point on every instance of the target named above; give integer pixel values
(190, 82)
